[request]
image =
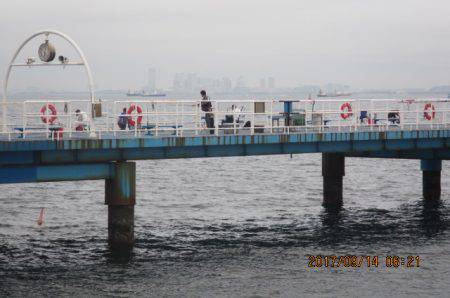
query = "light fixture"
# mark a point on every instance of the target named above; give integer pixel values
(63, 59)
(30, 60)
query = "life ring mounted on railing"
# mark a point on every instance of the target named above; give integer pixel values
(50, 119)
(429, 111)
(346, 110)
(131, 109)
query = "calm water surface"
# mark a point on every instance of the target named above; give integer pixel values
(241, 226)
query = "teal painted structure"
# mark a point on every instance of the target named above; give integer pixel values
(15, 154)
(120, 196)
(431, 179)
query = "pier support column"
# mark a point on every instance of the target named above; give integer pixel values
(431, 179)
(333, 171)
(120, 196)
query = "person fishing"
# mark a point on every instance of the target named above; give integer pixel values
(206, 107)
(80, 123)
(123, 119)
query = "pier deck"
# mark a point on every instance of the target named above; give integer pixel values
(39, 152)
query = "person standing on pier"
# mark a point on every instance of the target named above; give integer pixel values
(207, 108)
(123, 119)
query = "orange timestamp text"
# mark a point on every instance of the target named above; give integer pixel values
(354, 261)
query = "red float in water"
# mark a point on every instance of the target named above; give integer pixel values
(40, 220)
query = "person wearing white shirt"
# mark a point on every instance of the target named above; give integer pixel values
(80, 123)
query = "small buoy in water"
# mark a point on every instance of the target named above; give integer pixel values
(40, 220)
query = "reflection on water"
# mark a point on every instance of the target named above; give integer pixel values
(375, 225)
(433, 218)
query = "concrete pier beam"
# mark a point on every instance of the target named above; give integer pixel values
(333, 171)
(431, 179)
(120, 196)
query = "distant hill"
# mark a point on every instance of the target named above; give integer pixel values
(440, 89)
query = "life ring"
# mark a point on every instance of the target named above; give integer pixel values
(131, 122)
(47, 118)
(346, 110)
(427, 114)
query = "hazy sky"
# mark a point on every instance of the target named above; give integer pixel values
(367, 44)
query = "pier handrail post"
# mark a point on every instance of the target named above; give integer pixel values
(176, 118)
(24, 115)
(417, 116)
(252, 131)
(114, 119)
(216, 122)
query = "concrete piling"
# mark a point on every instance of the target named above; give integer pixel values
(431, 179)
(120, 196)
(333, 171)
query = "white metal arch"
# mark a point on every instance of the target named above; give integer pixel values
(11, 64)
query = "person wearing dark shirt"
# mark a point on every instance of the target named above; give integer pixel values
(207, 108)
(123, 119)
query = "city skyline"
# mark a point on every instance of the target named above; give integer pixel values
(192, 83)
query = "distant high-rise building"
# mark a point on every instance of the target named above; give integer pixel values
(178, 82)
(226, 85)
(216, 85)
(191, 82)
(240, 82)
(204, 84)
(271, 82)
(262, 83)
(151, 84)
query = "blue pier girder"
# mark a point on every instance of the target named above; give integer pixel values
(49, 173)
(427, 144)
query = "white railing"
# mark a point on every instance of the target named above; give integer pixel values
(37, 119)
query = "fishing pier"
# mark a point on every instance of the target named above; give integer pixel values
(47, 140)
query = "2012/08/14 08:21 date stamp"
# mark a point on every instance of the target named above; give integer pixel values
(354, 261)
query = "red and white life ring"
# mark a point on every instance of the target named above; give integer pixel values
(346, 110)
(429, 112)
(133, 107)
(48, 118)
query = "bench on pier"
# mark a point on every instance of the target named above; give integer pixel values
(325, 122)
(54, 130)
(149, 127)
(393, 118)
